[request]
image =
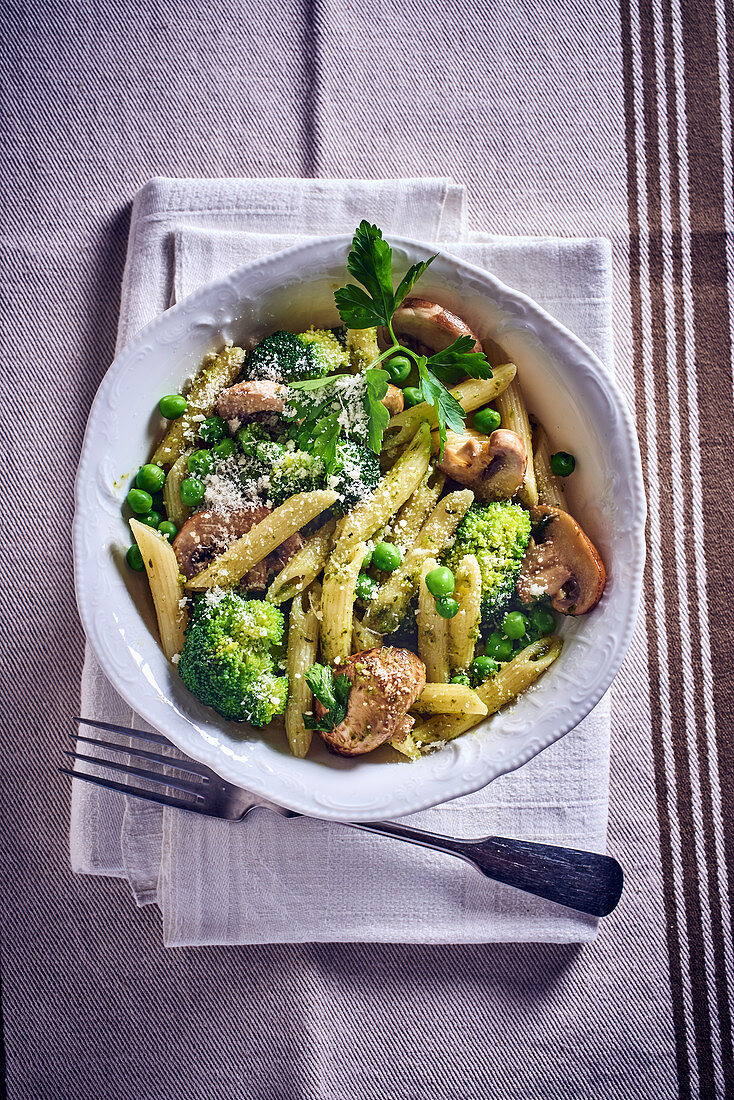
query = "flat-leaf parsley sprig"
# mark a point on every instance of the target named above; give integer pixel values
(370, 263)
(332, 692)
(321, 417)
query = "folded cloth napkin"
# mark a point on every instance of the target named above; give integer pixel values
(277, 880)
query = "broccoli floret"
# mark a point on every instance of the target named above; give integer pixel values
(294, 357)
(361, 345)
(497, 534)
(228, 659)
(295, 472)
(257, 442)
(354, 475)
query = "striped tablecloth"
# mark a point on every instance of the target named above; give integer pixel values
(569, 118)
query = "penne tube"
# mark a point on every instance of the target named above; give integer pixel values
(415, 511)
(304, 566)
(400, 481)
(406, 746)
(550, 487)
(449, 699)
(337, 604)
(303, 644)
(471, 394)
(363, 638)
(432, 632)
(217, 373)
(176, 510)
(464, 627)
(511, 407)
(164, 578)
(512, 679)
(262, 539)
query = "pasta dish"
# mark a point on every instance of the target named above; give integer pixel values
(360, 531)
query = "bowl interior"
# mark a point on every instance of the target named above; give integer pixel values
(564, 385)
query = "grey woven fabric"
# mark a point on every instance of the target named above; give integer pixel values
(574, 118)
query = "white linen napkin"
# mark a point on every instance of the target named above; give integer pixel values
(277, 880)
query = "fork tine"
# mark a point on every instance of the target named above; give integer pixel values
(138, 792)
(173, 761)
(128, 731)
(142, 773)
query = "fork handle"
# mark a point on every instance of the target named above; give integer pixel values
(586, 881)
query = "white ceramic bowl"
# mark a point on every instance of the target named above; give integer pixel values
(583, 411)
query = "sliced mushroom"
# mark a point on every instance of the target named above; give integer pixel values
(247, 399)
(563, 564)
(393, 400)
(385, 684)
(493, 466)
(208, 533)
(426, 327)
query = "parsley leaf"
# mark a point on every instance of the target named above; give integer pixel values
(332, 692)
(411, 277)
(458, 357)
(320, 435)
(449, 412)
(377, 383)
(370, 263)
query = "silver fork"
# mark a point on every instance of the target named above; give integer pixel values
(586, 881)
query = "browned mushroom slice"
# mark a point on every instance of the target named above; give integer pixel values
(393, 400)
(208, 533)
(493, 466)
(385, 684)
(426, 327)
(247, 399)
(563, 564)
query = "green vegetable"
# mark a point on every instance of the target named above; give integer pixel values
(399, 368)
(367, 560)
(168, 529)
(515, 625)
(412, 396)
(497, 534)
(447, 607)
(213, 429)
(498, 647)
(542, 621)
(481, 669)
(150, 478)
(294, 357)
(192, 491)
(200, 462)
(440, 581)
(294, 472)
(487, 420)
(333, 694)
(562, 463)
(228, 660)
(225, 448)
(321, 421)
(173, 406)
(256, 442)
(139, 501)
(134, 558)
(461, 678)
(355, 473)
(151, 519)
(366, 587)
(386, 557)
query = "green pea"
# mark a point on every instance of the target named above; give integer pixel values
(562, 463)
(447, 607)
(412, 396)
(135, 559)
(192, 491)
(366, 587)
(482, 668)
(151, 519)
(543, 621)
(440, 581)
(168, 529)
(173, 406)
(225, 448)
(487, 420)
(399, 368)
(498, 647)
(139, 501)
(200, 462)
(386, 557)
(212, 429)
(150, 478)
(366, 560)
(461, 678)
(158, 505)
(514, 625)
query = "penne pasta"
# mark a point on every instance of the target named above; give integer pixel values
(512, 679)
(432, 632)
(304, 566)
(363, 638)
(217, 373)
(166, 586)
(464, 627)
(550, 488)
(176, 510)
(415, 511)
(262, 539)
(449, 699)
(394, 489)
(303, 644)
(406, 746)
(511, 407)
(337, 604)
